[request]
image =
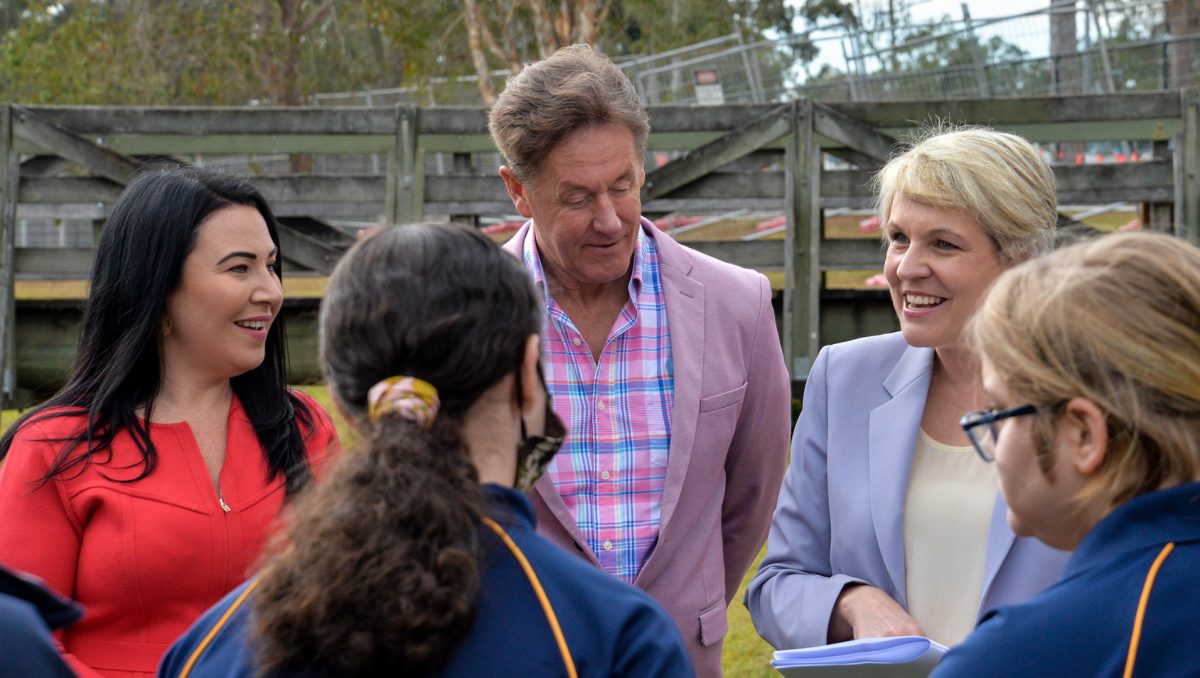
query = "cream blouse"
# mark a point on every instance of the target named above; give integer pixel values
(947, 511)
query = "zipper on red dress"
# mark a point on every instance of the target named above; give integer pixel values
(224, 506)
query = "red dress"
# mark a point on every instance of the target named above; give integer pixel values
(144, 558)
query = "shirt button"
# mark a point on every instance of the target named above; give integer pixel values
(600, 404)
(607, 545)
(604, 475)
(576, 341)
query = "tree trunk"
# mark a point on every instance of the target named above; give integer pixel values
(474, 21)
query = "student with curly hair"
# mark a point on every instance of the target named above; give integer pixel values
(418, 555)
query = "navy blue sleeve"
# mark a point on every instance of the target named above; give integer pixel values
(226, 655)
(1004, 644)
(651, 646)
(26, 646)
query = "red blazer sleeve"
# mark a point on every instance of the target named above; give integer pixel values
(39, 531)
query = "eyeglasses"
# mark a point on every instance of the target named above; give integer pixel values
(981, 427)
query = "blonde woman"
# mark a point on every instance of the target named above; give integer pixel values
(886, 523)
(1091, 363)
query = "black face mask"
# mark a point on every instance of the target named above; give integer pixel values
(535, 452)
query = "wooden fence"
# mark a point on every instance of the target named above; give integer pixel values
(71, 162)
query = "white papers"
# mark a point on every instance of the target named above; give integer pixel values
(896, 657)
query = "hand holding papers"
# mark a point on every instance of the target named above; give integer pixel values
(896, 657)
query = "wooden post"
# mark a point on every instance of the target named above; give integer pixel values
(802, 272)
(463, 167)
(9, 171)
(1190, 151)
(1158, 216)
(406, 170)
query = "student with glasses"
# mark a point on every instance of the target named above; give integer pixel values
(1091, 359)
(887, 524)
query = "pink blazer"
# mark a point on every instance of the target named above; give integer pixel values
(729, 441)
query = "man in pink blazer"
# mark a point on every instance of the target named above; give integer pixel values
(664, 362)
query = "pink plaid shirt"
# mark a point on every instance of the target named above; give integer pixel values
(613, 467)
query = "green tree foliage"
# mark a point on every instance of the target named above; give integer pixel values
(224, 52)
(121, 53)
(649, 26)
(234, 52)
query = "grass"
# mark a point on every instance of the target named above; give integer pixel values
(745, 655)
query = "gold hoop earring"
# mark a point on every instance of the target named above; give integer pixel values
(164, 326)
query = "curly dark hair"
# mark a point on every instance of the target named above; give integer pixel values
(379, 570)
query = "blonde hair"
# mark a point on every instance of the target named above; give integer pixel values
(1117, 321)
(998, 178)
(575, 88)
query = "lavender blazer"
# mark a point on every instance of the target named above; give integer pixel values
(728, 444)
(841, 509)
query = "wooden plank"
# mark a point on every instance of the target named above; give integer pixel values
(375, 210)
(802, 276)
(852, 132)
(64, 262)
(9, 173)
(235, 144)
(198, 121)
(477, 188)
(64, 210)
(1147, 176)
(322, 231)
(701, 161)
(1190, 228)
(44, 166)
(311, 252)
(482, 208)
(472, 121)
(1112, 130)
(860, 161)
(851, 255)
(68, 190)
(761, 255)
(1144, 106)
(765, 255)
(68, 144)
(755, 186)
(317, 188)
(1147, 181)
(30, 289)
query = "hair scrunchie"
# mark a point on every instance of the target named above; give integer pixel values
(408, 397)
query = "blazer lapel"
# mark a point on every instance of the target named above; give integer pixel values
(892, 439)
(1000, 541)
(685, 322)
(545, 490)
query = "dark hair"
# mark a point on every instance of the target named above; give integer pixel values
(380, 569)
(118, 366)
(574, 88)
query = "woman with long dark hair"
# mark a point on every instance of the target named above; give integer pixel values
(417, 553)
(147, 486)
